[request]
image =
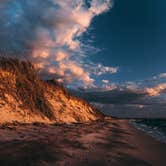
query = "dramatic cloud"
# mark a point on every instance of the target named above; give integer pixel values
(111, 96)
(141, 99)
(48, 33)
(125, 103)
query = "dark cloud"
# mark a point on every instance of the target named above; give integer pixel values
(115, 96)
(125, 103)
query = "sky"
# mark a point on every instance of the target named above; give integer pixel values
(133, 36)
(105, 44)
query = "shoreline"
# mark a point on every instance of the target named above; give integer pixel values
(154, 133)
(109, 142)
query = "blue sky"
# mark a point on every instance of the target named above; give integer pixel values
(132, 35)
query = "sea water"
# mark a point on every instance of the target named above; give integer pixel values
(154, 127)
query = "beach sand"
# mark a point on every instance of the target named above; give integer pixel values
(109, 142)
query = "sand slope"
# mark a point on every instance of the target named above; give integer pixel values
(24, 97)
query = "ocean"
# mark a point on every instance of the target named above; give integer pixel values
(154, 127)
(141, 119)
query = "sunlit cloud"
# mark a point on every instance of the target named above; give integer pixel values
(48, 33)
(157, 90)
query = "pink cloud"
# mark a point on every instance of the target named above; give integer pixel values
(156, 90)
(52, 29)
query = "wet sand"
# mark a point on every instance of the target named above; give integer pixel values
(102, 143)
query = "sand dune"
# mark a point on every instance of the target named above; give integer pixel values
(26, 98)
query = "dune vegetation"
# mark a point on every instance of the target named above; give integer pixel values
(24, 97)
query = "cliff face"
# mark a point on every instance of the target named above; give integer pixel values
(24, 97)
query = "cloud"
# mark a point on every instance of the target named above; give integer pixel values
(156, 90)
(160, 76)
(117, 95)
(105, 81)
(60, 55)
(130, 99)
(127, 93)
(144, 98)
(131, 85)
(100, 69)
(47, 33)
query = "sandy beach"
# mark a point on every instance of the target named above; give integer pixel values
(107, 142)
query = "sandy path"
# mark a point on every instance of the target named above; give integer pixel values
(109, 142)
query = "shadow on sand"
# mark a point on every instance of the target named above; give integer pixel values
(55, 149)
